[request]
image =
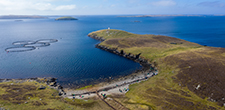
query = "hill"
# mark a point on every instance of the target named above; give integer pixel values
(179, 15)
(191, 76)
(22, 17)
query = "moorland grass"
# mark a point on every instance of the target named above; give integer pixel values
(27, 96)
(175, 86)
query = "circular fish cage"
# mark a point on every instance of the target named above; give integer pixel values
(20, 49)
(47, 41)
(21, 43)
(38, 44)
(22, 46)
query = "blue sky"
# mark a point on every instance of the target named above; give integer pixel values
(110, 7)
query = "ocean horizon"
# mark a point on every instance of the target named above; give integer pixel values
(74, 60)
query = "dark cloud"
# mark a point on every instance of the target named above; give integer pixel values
(212, 4)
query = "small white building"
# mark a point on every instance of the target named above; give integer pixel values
(108, 27)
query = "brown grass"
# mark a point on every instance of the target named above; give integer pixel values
(17, 94)
(182, 66)
(27, 96)
(204, 69)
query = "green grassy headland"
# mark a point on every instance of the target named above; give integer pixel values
(191, 77)
(182, 66)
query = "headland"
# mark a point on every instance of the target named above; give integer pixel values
(189, 74)
(186, 75)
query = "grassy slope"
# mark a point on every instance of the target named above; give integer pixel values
(181, 66)
(26, 96)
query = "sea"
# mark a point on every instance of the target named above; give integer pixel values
(74, 60)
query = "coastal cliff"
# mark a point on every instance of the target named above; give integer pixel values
(136, 58)
(190, 75)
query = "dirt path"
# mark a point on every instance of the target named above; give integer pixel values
(119, 87)
(105, 101)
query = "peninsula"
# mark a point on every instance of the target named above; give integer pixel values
(178, 75)
(190, 76)
(66, 18)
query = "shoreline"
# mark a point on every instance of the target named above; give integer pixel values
(111, 85)
(114, 87)
(136, 58)
(186, 79)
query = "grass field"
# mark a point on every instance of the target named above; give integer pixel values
(27, 96)
(190, 77)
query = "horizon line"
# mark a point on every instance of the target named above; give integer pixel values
(107, 14)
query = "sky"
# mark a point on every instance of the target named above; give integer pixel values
(110, 7)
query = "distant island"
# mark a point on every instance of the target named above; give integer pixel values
(166, 15)
(22, 17)
(18, 20)
(66, 18)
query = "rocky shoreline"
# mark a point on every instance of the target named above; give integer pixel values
(115, 86)
(110, 87)
(146, 71)
(136, 58)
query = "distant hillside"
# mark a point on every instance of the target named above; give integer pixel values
(167, 15)
(66, 18)
(22, 17)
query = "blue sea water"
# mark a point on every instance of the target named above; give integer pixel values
(74, 58)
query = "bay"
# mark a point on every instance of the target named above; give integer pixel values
(74, 58)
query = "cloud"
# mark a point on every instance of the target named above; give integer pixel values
(212, 4)
(164, 3)
(40, 5)
(49, 6)
(65, 7)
